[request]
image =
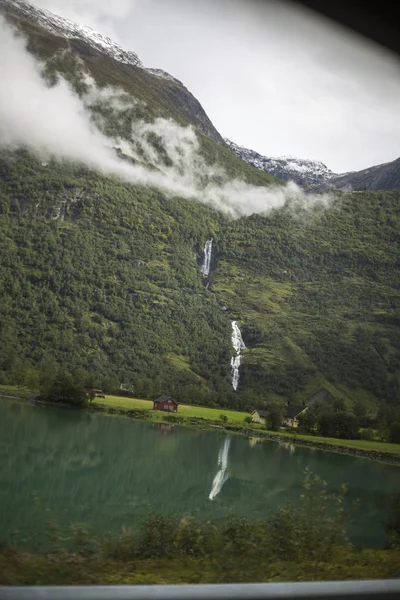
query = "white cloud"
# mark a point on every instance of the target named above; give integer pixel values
(276, 79)
(271, 76)
(54, 121)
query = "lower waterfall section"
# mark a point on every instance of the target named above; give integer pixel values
(239, 345)
(236, 337)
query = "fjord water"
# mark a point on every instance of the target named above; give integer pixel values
(73, 466)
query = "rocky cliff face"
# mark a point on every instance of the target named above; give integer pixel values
(49, 33)
(380, 177)
(315, 175)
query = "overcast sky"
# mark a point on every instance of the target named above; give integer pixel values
(270, 76)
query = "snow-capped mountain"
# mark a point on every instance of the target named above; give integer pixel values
(162, 89)
(68, 29)
(304, 172)
(169, 91)
(313, 174)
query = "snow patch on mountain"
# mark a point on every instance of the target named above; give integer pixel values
(314, 175)
(164, 75)
(68, 29)
(288, 168)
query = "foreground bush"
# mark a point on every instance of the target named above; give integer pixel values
(305, 542)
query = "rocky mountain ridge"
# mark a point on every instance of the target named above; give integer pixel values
(287, 168)
(68, 29)
(316, 175)
(50, 34)
(379, 177)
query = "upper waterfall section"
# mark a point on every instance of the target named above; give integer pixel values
(206, 264)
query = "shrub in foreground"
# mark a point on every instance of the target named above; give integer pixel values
(304, 542)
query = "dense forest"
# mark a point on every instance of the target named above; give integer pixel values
(318, 296)
(102, 278)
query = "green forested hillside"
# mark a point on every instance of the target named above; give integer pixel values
(103, 278)
(100, 277)
(318, 297)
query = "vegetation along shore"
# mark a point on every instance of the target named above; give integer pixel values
(229, 420)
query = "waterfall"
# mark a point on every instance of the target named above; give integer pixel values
(205, 267)
(239, 345)
(235, 364)
(222, 463)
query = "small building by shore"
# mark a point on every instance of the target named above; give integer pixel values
(165, 403)
(259, 416)
(290, 416)
(292, 412)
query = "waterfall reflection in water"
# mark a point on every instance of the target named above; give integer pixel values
(222, 474)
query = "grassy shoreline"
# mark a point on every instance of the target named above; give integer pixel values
(209, 418)
(198, 416)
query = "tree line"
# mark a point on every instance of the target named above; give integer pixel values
(335, 420)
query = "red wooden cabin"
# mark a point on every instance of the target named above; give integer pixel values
(165, 403)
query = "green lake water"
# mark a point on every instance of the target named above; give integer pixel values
(78, 467)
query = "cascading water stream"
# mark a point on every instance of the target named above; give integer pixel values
(237, 340)
(239, 345)
(222, 463)
(206, 265)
